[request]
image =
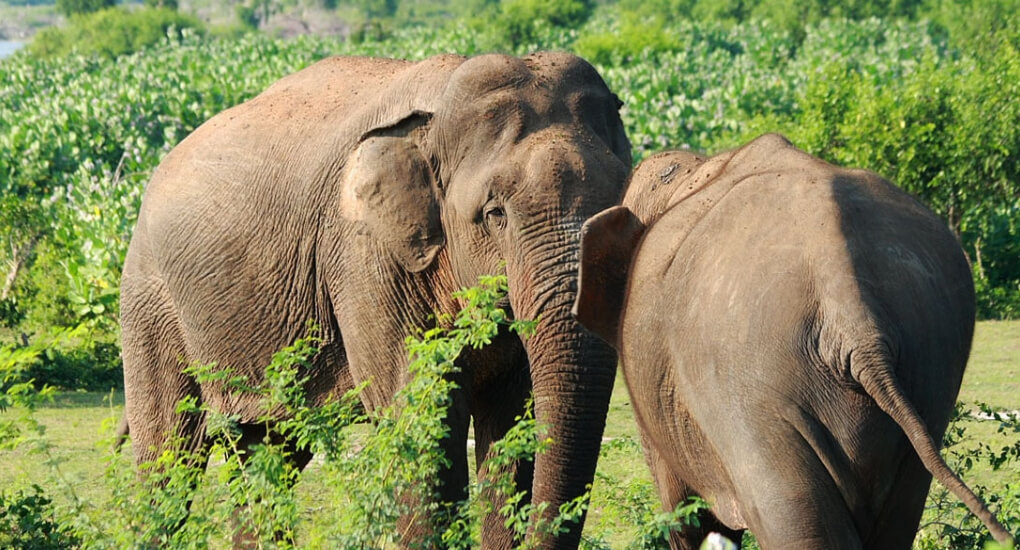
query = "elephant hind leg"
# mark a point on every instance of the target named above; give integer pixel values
(789, 497)
(154, 355)
(900, 514)
(672, 492)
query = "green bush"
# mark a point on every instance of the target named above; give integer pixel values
(524, 21)
(790, 16)
(370, 478)
(624, 39)
(928, 130)
(112, 32)
(946, 522)
(28, 522)
(994, 247)
(366, 472)
(977, 27)
(88, 364)
(71, 360)
(41, 295)
(168, 4)
(76, 7)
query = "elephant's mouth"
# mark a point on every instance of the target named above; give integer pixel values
(504, 304)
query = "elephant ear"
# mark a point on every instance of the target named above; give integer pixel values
(389, 188)
(609, 241)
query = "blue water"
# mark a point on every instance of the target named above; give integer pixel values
(7, 47)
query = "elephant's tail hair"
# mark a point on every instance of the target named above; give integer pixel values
(880, 383)
(122, 433)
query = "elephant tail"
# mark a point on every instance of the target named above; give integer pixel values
(880, 383)
(122, 434)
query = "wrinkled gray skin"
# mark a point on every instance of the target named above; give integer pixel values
(360, 193)
(793, 336)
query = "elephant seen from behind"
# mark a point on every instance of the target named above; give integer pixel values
(360, 193)
(793, 336)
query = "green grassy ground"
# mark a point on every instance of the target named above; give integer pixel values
(993, 374)
(79, 426)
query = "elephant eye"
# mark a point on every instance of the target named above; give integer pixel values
(495, 217)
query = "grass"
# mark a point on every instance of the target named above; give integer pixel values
(79, 426)
(993, 374)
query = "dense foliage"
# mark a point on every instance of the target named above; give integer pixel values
(369, 479)
(111, 32)
(80, 133)
(366, 475)
(76, 7)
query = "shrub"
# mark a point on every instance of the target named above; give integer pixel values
(369, 478)
(65, 359)
(366, 475)
(28, 522)
(977, 27)
(946, 522)
(524, 21)
(254, 13)
(77, 7)
(168, 4)
(623, 41)
(112, 32)
(993, 241)
(372, 480)
(88, 364)
(928, 131)
(41, 294)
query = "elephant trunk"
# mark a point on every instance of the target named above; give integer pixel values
(572, 374)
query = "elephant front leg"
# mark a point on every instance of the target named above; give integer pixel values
(424, 530)
(245, 533)
(497, 410)
(376, 307)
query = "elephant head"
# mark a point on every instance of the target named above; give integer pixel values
(495, 169)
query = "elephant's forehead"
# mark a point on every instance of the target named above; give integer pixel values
(505, 118)
(537, 80)
(564, 71)
(492, 71)
(488, 73)
(502, 106)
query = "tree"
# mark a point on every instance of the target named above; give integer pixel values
(376, 9)
(74, 7)
(255, 13)
(168, 4)
(520, 20)
(24, 224)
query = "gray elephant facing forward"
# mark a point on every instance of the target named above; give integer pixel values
(360, 193)
(793, 336)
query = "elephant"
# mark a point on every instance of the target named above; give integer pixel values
(360, 193)
(793, 337)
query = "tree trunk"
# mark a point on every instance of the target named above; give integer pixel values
(19, 256)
